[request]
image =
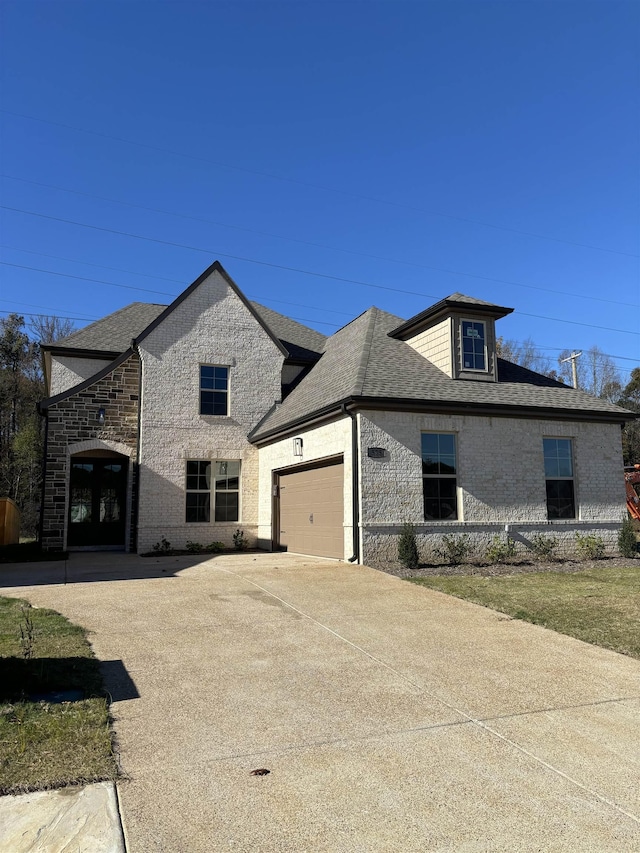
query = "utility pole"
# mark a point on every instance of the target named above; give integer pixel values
(572, 358)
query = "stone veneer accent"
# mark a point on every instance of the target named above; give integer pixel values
(75, 420)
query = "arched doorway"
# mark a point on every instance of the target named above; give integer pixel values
(97, 499)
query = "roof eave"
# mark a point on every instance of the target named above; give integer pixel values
(439, 407)
(442, 309)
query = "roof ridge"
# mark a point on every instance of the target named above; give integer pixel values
(361, 374)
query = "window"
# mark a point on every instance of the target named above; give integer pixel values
(558, 470)
(473, 345)
(214, 390)
(439, 482)
(225, 494)
(198, 491)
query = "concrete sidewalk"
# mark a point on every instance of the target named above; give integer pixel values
(391, 717)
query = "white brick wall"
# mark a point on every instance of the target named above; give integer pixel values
(330, 439)
(67, 372)
(500, 479)
(211, 326)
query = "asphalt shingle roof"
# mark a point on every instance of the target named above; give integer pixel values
(361, 360)
(114, 333)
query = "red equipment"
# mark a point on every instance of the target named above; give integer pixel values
(631, 479)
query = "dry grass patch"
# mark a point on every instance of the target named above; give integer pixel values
(599, 605)
(46, 743)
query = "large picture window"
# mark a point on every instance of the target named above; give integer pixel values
(214, 390)
(218, 497)
(473, 345)
(558, 471)
(439, 476)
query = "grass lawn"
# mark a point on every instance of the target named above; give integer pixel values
(599, 606)
(43, 743)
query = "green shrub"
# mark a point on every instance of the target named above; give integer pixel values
(214, 547)
(544, 546)
(194, 547)
(589, 546)
(408, 547)
(627, 538)
(162, 547)
(239, 540)
(456, 549)
(500, 549)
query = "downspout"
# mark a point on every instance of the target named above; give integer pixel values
(355, 479)
(135, 509)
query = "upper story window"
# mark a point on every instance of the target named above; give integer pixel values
(214, 390)
(474, 352)
(439, 476)
(558, 471)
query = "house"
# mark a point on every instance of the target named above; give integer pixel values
(192, 420)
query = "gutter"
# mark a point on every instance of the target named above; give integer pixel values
(355, 480)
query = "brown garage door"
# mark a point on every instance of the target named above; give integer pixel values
(311, 516)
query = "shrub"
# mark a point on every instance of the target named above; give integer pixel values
(589, 546)
(239, 540)
(500, 549)
(408, 547)
(214, 547)
(544, 546)
(456, 549)
(627, 538)
(162, 547)
(194, 547)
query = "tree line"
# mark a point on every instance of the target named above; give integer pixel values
(22, 386)
(21, 427)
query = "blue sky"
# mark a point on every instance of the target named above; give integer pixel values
(424, 148)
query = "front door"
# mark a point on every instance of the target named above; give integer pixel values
(97, 502)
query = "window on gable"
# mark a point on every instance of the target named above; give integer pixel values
(439, 476)
(473, 345)
(223, 493)
(214, 390)
(558, 471)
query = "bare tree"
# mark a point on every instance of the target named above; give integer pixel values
(525, 353)
(48, 330)
(597, 373)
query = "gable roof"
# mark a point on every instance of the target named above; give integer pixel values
(362, 364)
(114, 333)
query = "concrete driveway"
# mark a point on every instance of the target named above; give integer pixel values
(392, 718)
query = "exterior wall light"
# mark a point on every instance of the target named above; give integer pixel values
(101, 417)
(297, 447)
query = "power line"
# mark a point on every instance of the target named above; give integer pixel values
(286, 268)
(265, 298)
(310, 185)
(160, 278)
(414, 264)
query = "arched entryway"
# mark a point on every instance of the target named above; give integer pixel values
(97, 515)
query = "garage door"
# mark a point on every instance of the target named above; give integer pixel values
(311, 517)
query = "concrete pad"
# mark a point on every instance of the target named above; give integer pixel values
(83, 820)
(391, 717)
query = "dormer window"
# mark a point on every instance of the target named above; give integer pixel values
(474, 350)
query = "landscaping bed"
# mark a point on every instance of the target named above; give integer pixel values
(55, 728)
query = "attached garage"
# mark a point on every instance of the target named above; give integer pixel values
(309, 516)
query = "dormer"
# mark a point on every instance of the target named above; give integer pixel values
(457, 335)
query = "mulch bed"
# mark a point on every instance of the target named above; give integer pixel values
(513, 567)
